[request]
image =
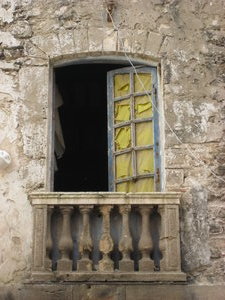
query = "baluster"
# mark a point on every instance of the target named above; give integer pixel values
(85, 244)
(145, 243)
(125, 244)
(49, 243)
(106, 242)
(65, 242)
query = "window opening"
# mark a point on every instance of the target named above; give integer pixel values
(106, 129)
(83, 164)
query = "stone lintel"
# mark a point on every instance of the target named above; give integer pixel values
(99, 198)
(109, 276)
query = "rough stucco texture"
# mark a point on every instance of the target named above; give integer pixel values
(187, 38)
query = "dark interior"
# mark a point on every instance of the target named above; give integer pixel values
(83, 115)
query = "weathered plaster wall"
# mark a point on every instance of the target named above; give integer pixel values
(187, 38)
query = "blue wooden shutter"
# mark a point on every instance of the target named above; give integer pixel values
(133, 131)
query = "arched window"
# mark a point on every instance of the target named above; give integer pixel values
(107, 128)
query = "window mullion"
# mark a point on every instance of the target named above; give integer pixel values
(133, 135)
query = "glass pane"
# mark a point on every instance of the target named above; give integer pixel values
(121, 85)
(122, 138)
(145, 161)
(123, 187)
(145, 185)
(141, 185)
(143, 107)
(123, 165)
(122, 111)
(142, 82)
(144, 134)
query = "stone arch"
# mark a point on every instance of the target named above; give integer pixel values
(74, 43)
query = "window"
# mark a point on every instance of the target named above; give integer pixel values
(109, 129)
(133, 130)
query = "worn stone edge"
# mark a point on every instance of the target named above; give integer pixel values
(108, 277)
(58, 198)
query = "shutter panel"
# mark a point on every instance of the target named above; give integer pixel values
(133, 130)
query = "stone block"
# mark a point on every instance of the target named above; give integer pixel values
(126, 265)
(8, 84)
(84, 265)
(46, 292)
(80, 37)
(125, 39)
(95, 38)
(66, 40)
(112, 292)
(177, 158)
(155, 292)
(110, 40)
(194, 220)
(146, 265)
(102, 39)
(34, 170)
(139, 41)
(34, 92)
(174, 177)
(214, 132)
(217, 248)
(221, 213)
(33, 139)
(98, 292)
(32, 50)
(8, 40)
(153, 44)
(105, 265)
(64, 265)
(22, 29)
(47, 44)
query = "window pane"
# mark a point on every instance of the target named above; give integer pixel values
(144, 134)
(145, 161)
(124, 187)
(121, 85)
(145, 185)
(141, 185)
(122, 111)
(143, 107)
(142, 82)
(122, 138)
(123, 165)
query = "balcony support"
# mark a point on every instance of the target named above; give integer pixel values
(145, 243)
(125, 244)
(169, 243)
(106, 242)
(65, 241)
(85, 244)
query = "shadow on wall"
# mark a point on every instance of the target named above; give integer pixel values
(7, 296)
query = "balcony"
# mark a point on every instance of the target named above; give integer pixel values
(114, 237)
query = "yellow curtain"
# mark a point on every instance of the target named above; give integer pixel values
(143, 133)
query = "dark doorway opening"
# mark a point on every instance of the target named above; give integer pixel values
(83, 117)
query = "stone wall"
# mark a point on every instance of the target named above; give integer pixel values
(186, 39)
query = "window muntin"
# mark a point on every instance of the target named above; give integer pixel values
(133, 130)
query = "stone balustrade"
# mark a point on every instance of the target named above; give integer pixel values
(106, 237)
